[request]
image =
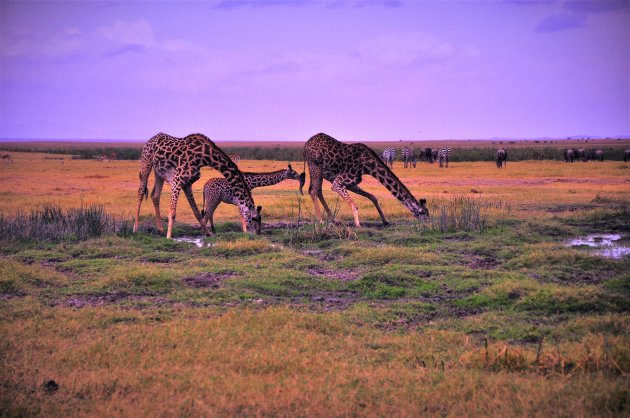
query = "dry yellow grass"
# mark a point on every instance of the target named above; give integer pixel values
(36, 179)
(278, 362)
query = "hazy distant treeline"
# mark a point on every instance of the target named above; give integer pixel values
(293, 154)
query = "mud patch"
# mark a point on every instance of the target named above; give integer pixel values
(83, 301)
(482, 263)
(208, 280)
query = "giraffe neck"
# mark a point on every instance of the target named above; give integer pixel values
(217, 159)
(254, 180)
(377, 169)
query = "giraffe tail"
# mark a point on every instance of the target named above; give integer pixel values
(303, 175)
(145, 192)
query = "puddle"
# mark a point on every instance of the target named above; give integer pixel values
(604, 244)
(198, 241)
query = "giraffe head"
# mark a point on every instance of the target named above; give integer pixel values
(253, 220)
(291, 173)
(420, 211)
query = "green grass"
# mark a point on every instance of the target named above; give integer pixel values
(392, 318)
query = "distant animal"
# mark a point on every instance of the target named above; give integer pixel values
(598, 154)
(103, 157)
(580, 154)
(434, 154)
(344, 166)
(389, 155)
(568, 155)
(626, 155)
(444, 154)
(235, 157)
(409, 157)
(428, 155)
(5, 157)
(178, 161)
(217, 190)
(112, 156)
(501, 158)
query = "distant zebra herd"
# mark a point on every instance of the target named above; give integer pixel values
(410, 157)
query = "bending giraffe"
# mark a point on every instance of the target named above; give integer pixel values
(178, 161)
(217, 190)
(344, 166)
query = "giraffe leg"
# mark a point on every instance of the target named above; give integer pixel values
(193, 205)
(356, 189)
(315, 189)
(211, 206)
(155, 198)
(339, 186)
(145, 170)
(175, 189)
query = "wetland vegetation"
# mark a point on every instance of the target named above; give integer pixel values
(483, 310)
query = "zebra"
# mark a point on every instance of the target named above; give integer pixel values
(434, 155)
(409, 157)
(598, 155)
(501, 158)
(389, 155)
(568, 155)
(443, 155)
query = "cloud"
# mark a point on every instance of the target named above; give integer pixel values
(332, 4)
(406, 48)
(127, 49)
(599, 6)
(139, 32)
(560, 22)
(235, 4)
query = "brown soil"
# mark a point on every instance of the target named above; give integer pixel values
(208, 280)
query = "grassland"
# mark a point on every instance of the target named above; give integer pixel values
(500, 318)
(472, 150)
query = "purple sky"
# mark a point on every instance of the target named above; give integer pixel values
(286, 70)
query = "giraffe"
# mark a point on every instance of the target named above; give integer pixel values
(344, 165)
(217, 190)
(178, 161)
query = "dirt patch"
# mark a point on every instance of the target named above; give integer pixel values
(321, 255)
(208, 280)
(96, 176)
(482, 263)
(345, 275)
(82, 301)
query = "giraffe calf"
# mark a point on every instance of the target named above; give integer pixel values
(217, 190)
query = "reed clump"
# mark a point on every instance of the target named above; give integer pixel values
(53, 224)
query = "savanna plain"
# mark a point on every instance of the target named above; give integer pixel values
(485, 309)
